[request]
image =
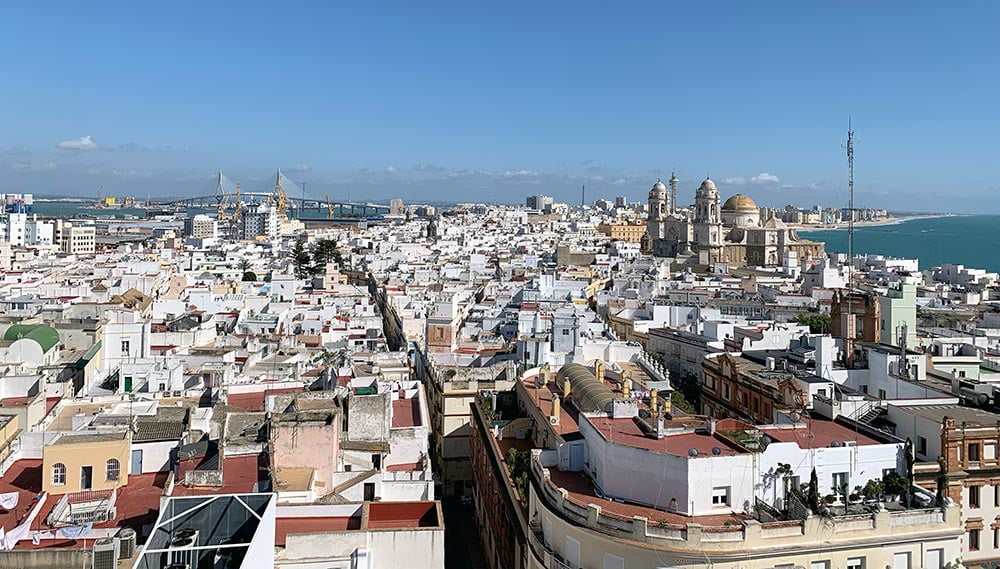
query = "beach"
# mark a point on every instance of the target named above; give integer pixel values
(877, 223)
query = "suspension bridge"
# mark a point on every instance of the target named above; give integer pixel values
(229, 198)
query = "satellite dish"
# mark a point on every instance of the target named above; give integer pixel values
(835, 444)
(693, 452)
(716, 451)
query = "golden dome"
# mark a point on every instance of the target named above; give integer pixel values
(740, 202)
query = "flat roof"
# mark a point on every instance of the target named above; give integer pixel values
(75, 439)
(967, 415)
(395, 515)
(580, 491)
(817, 434)
(406, 413)
(283, 527)
(628, 432)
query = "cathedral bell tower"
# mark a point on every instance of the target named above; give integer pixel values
(708, 222)
(658, 207)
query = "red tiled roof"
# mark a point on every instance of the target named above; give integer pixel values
(254, 401)
(240, 474)
(406, 413)
(818, 434)
(405, 467)
(25, 478)
(402, 515)
(285, 526)
(627, 432)
(581, 492)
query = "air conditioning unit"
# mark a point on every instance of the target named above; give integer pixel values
(105, 553)
(180, 540)
(126, 543)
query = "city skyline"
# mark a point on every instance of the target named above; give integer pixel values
(487, 104)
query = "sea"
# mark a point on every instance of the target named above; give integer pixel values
(969, 240)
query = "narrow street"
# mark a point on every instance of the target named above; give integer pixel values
(462, 548)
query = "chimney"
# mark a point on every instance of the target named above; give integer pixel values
(627, 388)
(599, 370)
(554, 415)
(654, 404)
(710, 425)
(770, 363)
(566, 389)
(545, 375)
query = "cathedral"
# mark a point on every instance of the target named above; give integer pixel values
(728, 233)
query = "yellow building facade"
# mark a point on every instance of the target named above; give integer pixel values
(81, 462)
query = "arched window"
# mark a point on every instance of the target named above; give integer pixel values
(58, 473)
(113, 469)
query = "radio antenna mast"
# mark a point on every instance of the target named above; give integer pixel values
(850, 192)
(851, 324)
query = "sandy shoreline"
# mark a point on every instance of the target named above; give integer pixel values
(879, 223)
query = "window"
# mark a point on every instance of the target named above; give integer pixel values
(933, 558)
(841, 479)
(855, 563)
(921, 445)
(901, 560)
(791, 484)
(881, 394)
(113, 469)
(125, 347)
(58, 473)
(819, 565)
(996, 538)
(973, 540)
(974, 452)
(613, 562)
(996, 495)
(720, 496)
(973, 496)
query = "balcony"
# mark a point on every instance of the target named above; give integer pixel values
(703, 535)
(78, 508)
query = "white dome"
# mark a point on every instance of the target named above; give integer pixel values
(708, 184)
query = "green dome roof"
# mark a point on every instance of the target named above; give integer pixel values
(46, 336)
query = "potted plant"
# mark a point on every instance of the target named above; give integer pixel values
(830, 499)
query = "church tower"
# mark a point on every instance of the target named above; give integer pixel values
(658, 205)
(708, 222)
(673, 191)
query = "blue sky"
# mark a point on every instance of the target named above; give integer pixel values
(496, 101)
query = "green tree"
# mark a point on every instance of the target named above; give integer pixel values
(301, 260)
(249, 276)
(519, 465)
(244, 266)
(813, 496)
(325, 251)
(818, 322)
(678, 400)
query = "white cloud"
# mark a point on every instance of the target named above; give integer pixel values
(735, 181)
(79, 144)
(520, 174)
(765, 178)
(391, 169)
(31, 167)
(300, 168)
(132, 174)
